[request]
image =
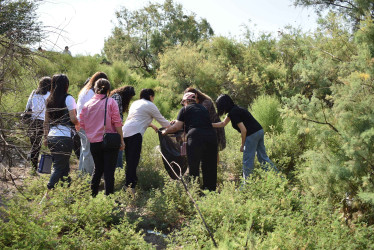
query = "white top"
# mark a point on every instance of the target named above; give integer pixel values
(83, 97)
(62, 130)
(37, 103)
(141, 114)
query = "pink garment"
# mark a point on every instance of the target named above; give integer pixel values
(92, 117)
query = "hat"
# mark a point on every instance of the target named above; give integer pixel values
(188, 96)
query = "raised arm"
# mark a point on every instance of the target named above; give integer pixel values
(221, 124)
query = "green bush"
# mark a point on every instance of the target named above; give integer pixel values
(265, 109)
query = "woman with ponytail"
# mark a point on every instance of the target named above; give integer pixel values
(92, 121)
(86, 163)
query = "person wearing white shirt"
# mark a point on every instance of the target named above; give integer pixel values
(36, 103)
(140, 117)
(60, 115)
(86, 162)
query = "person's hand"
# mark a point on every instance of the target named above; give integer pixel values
(241, 148)
(163, 132)
(122, 146)
(78, 126)
(172, 122)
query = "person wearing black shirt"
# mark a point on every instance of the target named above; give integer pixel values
(251, 132)
(201, 140)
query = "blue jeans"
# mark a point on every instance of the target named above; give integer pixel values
(86, 162)
(255, 143)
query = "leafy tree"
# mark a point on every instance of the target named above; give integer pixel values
(18, 21)
(141, 35)
(355, 10)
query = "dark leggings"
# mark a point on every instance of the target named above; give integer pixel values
(203, 149)
(36, 135)
(133, 148)
(105, 163)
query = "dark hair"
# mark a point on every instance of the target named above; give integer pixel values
(56, 100)
(102, 86)
(44, 85)
(126, 93)
(224, 104)
(200, 95)
(146, 94)
(91, 81)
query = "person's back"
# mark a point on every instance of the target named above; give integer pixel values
(201, 141)
(197, 120)
(38, 106)
(238, 114)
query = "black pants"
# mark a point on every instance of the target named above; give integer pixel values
(133, 148)
(60, 147)
(105, 163)
(203, 149)
(36, 134)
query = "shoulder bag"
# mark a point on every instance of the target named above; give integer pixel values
(111, 141)
(26, 115)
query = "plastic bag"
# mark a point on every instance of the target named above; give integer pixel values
(170, 145)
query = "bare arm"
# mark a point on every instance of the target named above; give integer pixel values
(45, 128)
(119, 131)
(221, 124)
(73, 116)
(74, 119)
(243, 132)
(154, 127)
(178, 125)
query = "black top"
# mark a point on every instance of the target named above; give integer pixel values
(196, 120)
(238, 115)
(64, 118)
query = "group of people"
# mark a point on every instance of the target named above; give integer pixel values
(99, 110)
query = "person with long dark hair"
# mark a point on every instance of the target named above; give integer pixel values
(252, 134)
(140, 117)
(36, 103)
(92, 121)
(86, 162)
(122, 96)
(201, 140)
(60, 116)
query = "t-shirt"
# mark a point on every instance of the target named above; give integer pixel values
(83, 97)
(36, 103)
(238, 115)
(196, 120)
(62, 130)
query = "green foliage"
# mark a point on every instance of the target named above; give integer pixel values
(70, 219)
(312, 93)
(354, 10)
(265, 109)
(18, 21)
(141, 35)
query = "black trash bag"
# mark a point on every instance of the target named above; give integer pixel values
(170, 147)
